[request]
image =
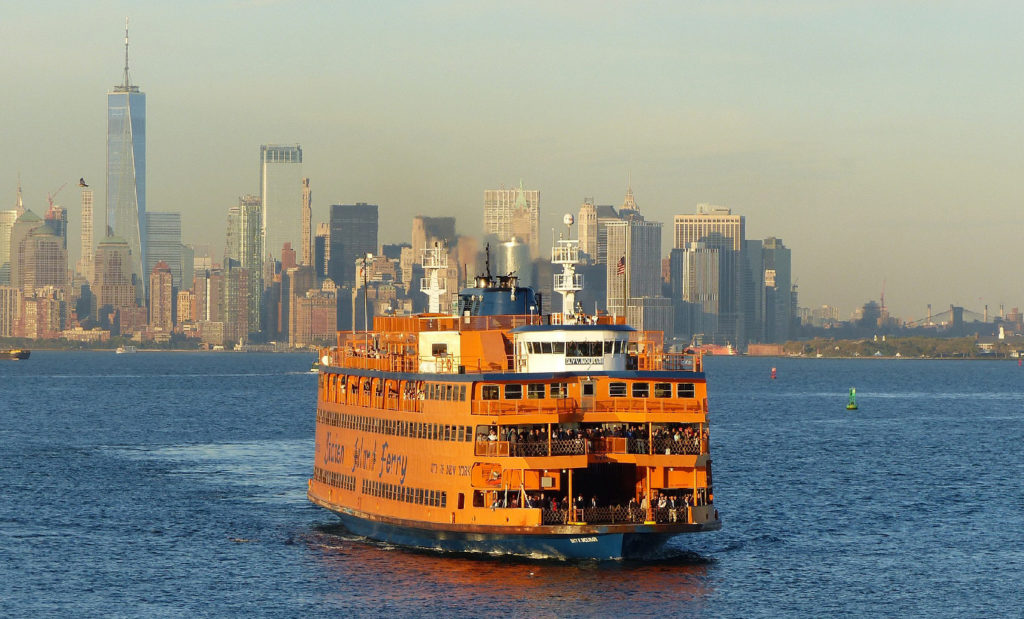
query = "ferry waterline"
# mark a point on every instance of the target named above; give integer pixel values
(502, 431)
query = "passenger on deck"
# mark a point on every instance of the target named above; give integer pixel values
(492, 436)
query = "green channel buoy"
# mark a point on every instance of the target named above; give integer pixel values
(852, 404)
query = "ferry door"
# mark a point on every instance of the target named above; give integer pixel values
(588, 389)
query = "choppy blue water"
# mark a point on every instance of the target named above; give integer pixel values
(174, 484)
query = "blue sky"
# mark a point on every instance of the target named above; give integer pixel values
(880, 141)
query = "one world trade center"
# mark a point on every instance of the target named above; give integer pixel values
(126, 171)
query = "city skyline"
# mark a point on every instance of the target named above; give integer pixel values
(876, 135)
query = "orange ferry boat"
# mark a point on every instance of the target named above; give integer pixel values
(502, 431)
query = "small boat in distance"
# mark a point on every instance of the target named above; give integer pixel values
(852, 404)
(121, 350)
(15, 354)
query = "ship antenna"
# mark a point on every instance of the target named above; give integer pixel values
(487, 262)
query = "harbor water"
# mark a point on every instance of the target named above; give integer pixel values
(173, 484)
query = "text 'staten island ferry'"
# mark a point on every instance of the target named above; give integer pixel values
(502, 431)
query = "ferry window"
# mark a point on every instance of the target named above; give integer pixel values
(462, 393)
(588, 388)
(481, 433)
(489, 392)
(513, 392)
(559, 390)
(469, 434)
(545, 347)
(444, 499)
(462, 435)
(685, 390)
(447, 433)
(558, 348)
(438, 349)
(535, 391)
(609, 347)
(572, 349)
(663, 390)
(450, 392)
(641, 390)
(617, 390)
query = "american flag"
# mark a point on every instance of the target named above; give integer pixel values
(621, 269)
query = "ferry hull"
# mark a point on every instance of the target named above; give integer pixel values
(593, 543)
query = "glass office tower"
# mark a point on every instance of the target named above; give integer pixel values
(126, 171)
(281, 196)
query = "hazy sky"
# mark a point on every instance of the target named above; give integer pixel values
(882, 142)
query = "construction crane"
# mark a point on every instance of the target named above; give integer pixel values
(51, 196)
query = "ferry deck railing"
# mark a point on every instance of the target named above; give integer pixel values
(616, 515)
(690, 446)
(566, 405)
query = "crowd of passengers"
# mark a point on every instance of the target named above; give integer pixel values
(682, 439)
(666, 507)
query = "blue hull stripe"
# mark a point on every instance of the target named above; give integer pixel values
(567, 546)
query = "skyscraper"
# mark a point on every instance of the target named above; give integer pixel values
(161, 297)
(57, 219)
(42, 261)
(718, 228)
(26, 223)
(126, 171)
(307, 223)
(281, 196)
(353, 235)
(428, 230)
(87, 259)
(633, 274)
(7, 219)
(322, 249)
(513, 212)
(113, 285)
(634, 262)
(248, 228)
(586, 223)
(163, 231)
(780, 312)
